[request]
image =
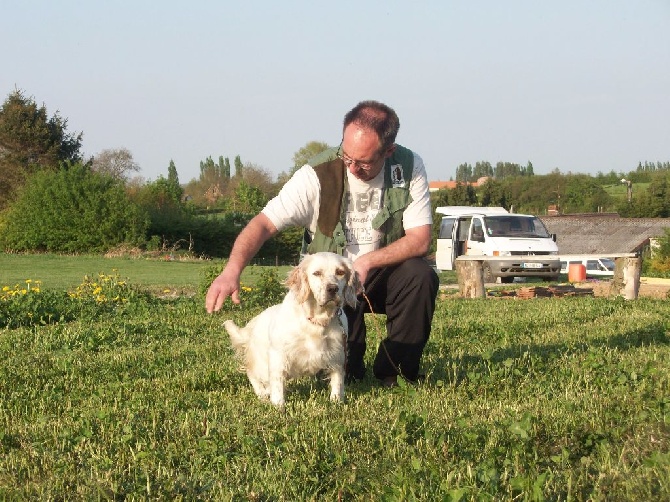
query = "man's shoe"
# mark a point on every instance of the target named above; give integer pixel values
(392, 381)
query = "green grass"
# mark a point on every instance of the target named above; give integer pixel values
(544, 399)
(620, 191)
(62, 272)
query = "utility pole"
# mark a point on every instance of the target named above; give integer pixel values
(629, 188)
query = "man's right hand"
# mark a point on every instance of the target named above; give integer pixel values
(247, 244)
(222, 287)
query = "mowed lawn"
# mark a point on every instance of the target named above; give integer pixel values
(142, 399)
(60, 272)
(63, 272)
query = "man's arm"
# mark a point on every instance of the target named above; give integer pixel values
(415, 242)
(247, 244)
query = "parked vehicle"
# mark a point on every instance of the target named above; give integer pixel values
(595, 267)
(495, 232)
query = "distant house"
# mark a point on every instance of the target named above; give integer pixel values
(606, 233)
(213, 193)
(434, 186)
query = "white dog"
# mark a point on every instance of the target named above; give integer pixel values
(304, 334)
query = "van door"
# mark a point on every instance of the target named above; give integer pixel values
(476, 240)
(445, 253)
(462, 233)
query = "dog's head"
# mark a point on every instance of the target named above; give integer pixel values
(327, 277)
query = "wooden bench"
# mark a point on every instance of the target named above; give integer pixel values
(626, 280)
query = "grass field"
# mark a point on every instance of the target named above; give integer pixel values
(620, 191)
(544, 399)
(65, 272)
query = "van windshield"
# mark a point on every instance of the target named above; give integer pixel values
(515, 226)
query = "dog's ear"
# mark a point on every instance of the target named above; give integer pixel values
(352, 289)
(297, 282)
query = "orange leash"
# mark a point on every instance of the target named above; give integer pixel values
(381, 342)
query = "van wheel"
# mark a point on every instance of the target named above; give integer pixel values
(507, 280)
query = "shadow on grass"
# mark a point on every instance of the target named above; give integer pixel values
(651, 335)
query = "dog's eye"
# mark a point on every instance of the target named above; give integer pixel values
(340, 272)
(317, 273)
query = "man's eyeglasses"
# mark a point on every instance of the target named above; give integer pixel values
(364, 166)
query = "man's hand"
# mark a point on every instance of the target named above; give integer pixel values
(222, 287)
(362, 268)
(415, 242)
(247, 244)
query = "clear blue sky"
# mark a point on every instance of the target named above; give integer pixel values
(578, 85)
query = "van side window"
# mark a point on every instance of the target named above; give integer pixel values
(477, 231)
(446, 228)
(464, 229)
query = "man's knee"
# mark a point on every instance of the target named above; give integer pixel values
(418, 271)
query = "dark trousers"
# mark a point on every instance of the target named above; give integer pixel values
(406, 294)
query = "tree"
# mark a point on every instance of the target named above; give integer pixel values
(463, 195)
(307, 152)
(492, 193)
(117, 163)
(249, 199)
(173, 177)
(224, 166)
(238, 166)
(464, 173)
(31, 141)
(482, 169)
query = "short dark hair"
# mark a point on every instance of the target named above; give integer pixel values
(376, 116)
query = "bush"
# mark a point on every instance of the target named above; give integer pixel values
(268, 290)
(72, 210)
(27, 305)
(658, 265)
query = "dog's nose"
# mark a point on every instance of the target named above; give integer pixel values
(332, 289)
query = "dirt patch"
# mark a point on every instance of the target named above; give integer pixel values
(649, 289)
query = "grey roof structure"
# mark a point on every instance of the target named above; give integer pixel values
(593, 234)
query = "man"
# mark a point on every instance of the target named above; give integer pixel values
(367, 199)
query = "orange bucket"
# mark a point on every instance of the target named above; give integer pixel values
(576, 272)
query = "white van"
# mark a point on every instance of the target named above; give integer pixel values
(595, 267)
(493, 231)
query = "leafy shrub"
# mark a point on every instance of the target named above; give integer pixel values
(72, 210)
(658, 265)
(267, 291)
(28, 305)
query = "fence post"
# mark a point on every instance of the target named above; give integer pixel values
(626, 280)
(470, 278)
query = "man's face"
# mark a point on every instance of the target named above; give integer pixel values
(361, 152)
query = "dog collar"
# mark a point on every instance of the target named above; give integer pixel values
(338, 313)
